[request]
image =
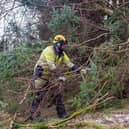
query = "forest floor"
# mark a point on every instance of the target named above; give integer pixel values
(118, 116)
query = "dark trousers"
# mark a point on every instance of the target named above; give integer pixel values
(57, 101)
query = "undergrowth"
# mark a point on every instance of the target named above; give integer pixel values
(16, 64)
(103, 76)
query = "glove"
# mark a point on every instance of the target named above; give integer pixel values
(76, 69)
(38, 71)
(62, 78)
(83, 71)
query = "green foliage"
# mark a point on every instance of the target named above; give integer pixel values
(16, 127)
(1, 91)
(108, 63)
(76, 101)
(118, 27)
(114, 104)
(35, 46)
(15, 85)
(64, 20)
(111, 84)
(87, 88)
(70, 1)
(18, 59)
(102, 76)
(12, 26)
(34, 3)
(14, 106)
(13, 61)
(2, 105)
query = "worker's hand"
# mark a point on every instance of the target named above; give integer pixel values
(62, 78)
(83, 71)
(75, 69)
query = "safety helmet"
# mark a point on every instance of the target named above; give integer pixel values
(60, 41)
(58, 38)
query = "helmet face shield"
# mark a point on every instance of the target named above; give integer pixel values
(61, 44)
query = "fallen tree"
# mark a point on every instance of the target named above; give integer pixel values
(59, 123)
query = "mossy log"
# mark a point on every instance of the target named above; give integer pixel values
(59, 123)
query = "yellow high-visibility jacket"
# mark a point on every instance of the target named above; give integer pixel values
(50, 60)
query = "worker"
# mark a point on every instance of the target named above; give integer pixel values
(46, 68)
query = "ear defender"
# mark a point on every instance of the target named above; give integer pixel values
(58, 44)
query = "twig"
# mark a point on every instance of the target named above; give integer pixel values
(83, 43)
(12, 121)
(26, 93)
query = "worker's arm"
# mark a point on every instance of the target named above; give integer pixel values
(72, 66)
(67, 61)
